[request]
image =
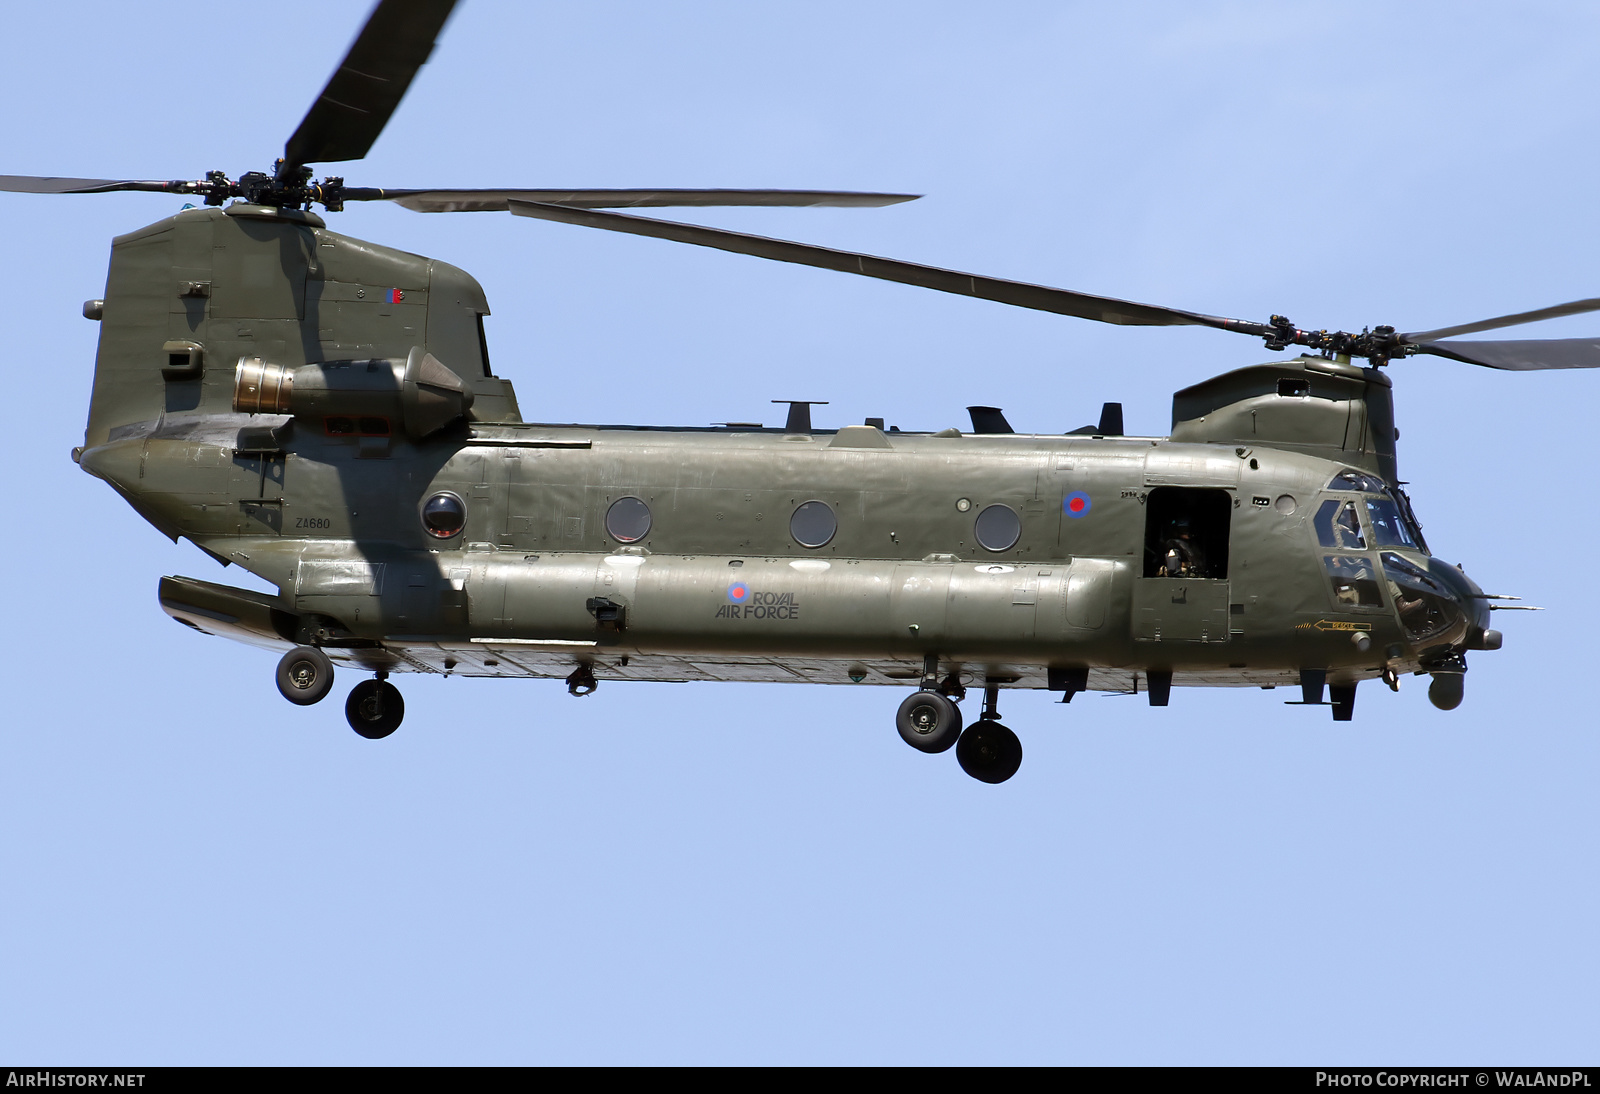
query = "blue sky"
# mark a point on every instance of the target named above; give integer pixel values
(196, 872)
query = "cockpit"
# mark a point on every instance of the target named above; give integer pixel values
(1389, 511)
(1362, 539)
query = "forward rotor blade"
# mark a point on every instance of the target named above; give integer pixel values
(1102, 309)
(47, 184)
(369, 83)
(1528, 355)
(481, 201)
(1576, 307)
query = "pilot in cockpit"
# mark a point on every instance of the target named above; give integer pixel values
(1347, 528)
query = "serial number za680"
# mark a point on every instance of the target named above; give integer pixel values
(313, 522)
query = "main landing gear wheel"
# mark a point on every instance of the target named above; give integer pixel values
(305, 675)
(928, 722)
(989, 752)
(374, 709)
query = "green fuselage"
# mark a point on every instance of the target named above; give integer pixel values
(1003, 556)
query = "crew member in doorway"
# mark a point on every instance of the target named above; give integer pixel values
(1185, 557)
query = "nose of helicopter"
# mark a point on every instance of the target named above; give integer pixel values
(1441, 609)
(1472, 604)
(1444, 613)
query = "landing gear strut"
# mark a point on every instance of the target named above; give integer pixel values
(988, 751)
(929, 721)
(375, 708)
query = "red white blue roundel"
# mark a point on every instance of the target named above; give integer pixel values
(1076, 504)
(738, 592)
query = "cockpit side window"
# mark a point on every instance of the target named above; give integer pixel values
(1338, 526)
(1355, 581)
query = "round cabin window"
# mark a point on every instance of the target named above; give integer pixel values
(998, 528)
(813, 524)
(628, 520)
(443, 515)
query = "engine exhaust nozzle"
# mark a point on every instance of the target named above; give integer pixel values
(260, 388)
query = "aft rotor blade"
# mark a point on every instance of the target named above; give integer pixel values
(483, 201)
(1528, 355)
(47, 184)
(1103, 309)
(1576, 307)
(369, 83)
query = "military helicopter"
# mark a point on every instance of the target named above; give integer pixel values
(321, 411)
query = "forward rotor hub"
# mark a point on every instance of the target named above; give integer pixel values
(287, 187)
(1377, 344)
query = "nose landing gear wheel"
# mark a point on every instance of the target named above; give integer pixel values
(928, 722)
(305, 675)
(374, 709)
(989, 752)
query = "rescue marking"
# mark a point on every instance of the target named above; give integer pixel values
(1332, 625)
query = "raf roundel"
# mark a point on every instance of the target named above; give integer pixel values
(738, 592)
(1076, 504)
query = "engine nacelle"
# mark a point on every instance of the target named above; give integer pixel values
(419, 392)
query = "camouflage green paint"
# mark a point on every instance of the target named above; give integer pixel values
(334, 519)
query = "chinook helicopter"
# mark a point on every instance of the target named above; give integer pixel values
(321, 411)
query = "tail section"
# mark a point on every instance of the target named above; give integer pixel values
(188, 297)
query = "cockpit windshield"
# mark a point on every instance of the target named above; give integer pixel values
(1389, 525)
(1392, 523)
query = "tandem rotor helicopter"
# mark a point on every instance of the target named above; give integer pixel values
(321, 411)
